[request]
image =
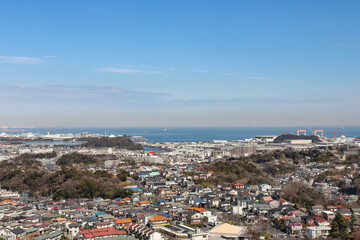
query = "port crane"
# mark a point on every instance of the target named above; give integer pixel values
(333, 133)
(316, 131)
(299, 131)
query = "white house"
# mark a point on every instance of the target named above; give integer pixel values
(265, 187)
(318, 231)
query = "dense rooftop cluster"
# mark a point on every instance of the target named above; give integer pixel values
(223, 189)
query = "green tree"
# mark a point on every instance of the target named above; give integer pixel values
(122, 193)
(278, 224)
(339, 227)
(87, 188)
(122, 175)
(352, 222)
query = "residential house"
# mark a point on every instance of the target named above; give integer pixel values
(123, 223)
(16, 233)
(321, 221)
(158, 221)
(103, 224)
(145, 233)
(328, 215)
(317, 232)
(100, 233)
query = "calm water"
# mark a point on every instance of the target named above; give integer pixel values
(193, 134)
(52, 143)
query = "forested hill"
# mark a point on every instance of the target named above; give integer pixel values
(117, 142)
(27, 174)
(285, 137)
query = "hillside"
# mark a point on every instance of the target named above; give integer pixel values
(77, 158)
(29, 175)
(227, 172)
(123, 142)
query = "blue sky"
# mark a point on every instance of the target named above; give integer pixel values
(179, 63)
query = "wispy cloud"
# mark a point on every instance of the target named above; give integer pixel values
(145, 67)
(294, 81)
(134, 66)
(264, 100)
(128, 70)
(73, 92)
(259, 78)
(20, 60)
(209, 71)
(51, 56)
(131, 69)
(200, 71)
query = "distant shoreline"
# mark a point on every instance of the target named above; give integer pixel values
(195, 134)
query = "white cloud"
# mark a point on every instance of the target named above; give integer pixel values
(259, 78)
(20, 60)
(127, 70)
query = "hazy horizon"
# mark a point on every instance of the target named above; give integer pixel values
(188, 63)
(308, 127)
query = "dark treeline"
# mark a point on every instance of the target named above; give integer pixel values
(36, 155)
(77, 158)
(117, 142)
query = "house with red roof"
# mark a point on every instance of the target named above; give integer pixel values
(331, 208)
(310, 221)
(238, 186)
(103, 224)
(298, 213)
(341, 207)
(100, 233)
(321, 221)
(294, 228)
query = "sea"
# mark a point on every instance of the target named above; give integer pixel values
(196, 134)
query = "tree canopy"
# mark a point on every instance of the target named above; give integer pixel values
(339, 227)
(117, 142)
(29, 175)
